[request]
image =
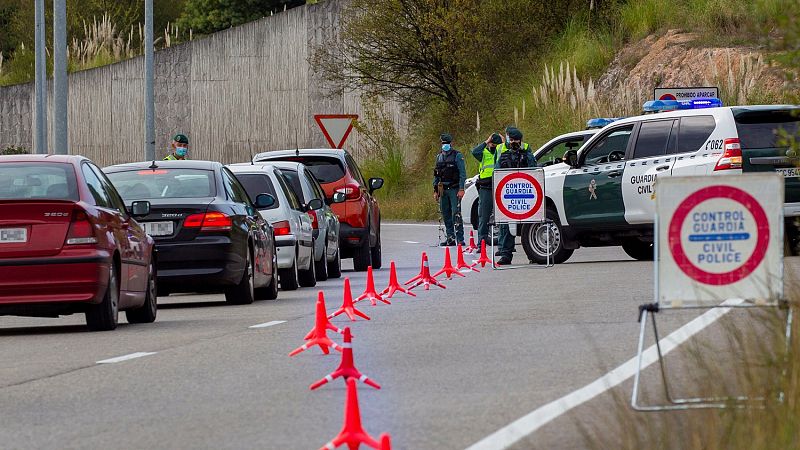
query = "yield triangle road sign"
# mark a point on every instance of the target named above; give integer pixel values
(336, 127)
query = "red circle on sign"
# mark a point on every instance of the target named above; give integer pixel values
(667, 97)
(536, 205)
(676, 246)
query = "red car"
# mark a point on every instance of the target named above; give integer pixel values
(68, 244)
(359, 215)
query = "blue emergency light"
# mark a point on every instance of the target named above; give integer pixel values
(657, 106)
(600, 122)
(700, 103)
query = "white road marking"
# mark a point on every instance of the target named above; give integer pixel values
(411, 242)
(268, 324)
(529, 423)
(125, 357)
(383, 224)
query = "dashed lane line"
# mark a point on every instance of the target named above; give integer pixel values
(268, 324)
(125, 357)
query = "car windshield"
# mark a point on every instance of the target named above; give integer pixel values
(164, 183)
(38, 181)
(325, 169)
(256, 184)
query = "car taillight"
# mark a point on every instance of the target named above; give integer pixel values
(351, 191)
(314, 219)
(282, 228)
(731, 155)
(211, 221)
(81, 230)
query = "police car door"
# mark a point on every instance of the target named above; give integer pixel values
(652, 157)
(593, 190)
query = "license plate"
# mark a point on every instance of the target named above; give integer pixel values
(158, 228)
(13, 235)
(792, 172)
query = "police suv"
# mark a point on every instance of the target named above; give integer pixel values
(604, 194)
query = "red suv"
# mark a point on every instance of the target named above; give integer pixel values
(68, 244)
(359, 215)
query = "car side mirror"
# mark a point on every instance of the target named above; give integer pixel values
(375, 184)
(338, 197)
(314, 204)
(571, 158)
(140, 208)
(264, 201)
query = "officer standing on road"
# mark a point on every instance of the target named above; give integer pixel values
(179, 148)
(513, 154)
(449, 177)
(486, 153)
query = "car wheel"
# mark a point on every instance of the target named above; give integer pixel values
(376, 253)
(147, 312)
(105, 315)
(535, 241)
(244, 292)
(362, 258)
(271, 291)
(288, 277)
(335, 266)
(308, 277)
(638, 250)
(322, 264)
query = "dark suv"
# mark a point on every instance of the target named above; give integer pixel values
(359, 215)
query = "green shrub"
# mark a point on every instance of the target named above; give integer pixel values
(14, 150)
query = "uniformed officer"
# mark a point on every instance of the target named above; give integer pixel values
(449, 177)
(179, 148)
(513, 154)
(486, 153)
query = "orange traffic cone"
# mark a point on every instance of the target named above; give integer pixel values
(424, 277)
(328, 325)
(370, 293)
(471, 248)
(484, 259)
(347, 305)
(448, 268)
(347, 368)
(319, 335)
(461, 264)
(394, 285)
(353, 433)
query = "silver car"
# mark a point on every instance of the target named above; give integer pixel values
(294, 233)
(325, 222)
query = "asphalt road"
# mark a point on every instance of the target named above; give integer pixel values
(455, 364)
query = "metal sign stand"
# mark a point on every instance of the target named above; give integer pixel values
(680, 404)
(543, 222)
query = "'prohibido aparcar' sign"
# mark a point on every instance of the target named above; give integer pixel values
(720, 237)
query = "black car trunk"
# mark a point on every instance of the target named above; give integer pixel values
(174, 211)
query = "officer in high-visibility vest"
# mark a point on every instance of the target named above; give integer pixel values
(513, 154)
(449, 177)
(486, 153)
(179, 149)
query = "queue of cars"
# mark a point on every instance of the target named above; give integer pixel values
(78, 239)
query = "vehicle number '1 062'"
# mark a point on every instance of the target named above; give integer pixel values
(715, 144)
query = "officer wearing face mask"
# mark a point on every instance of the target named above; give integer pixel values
(449, 177)
(179, 148)
(513, 154)
(486, 153)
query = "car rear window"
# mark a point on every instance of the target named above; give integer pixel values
(38, 181)
(325, 169)
(767, 128)
(164, 183)
(256, 184)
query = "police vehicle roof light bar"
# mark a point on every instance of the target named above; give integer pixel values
(600, 122)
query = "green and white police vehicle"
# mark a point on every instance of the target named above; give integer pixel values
(604, 193)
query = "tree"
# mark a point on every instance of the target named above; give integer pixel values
(453, 51)
(209, 16)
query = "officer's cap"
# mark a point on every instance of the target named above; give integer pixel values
(497, 139)
(515, 134)
(181, 139)
(446, 138)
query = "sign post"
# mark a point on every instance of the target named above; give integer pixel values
(718, 243)
(336, 127)
(519, 198)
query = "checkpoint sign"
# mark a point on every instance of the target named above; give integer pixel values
(518, 195)
(720, 237)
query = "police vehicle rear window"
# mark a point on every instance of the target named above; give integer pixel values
(38, 181)
(325, 169)
(767, 129)
(256, 184)
(694, 132)
(164, 183)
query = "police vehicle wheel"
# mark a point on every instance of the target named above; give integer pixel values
(535, 240)
(638, 250)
